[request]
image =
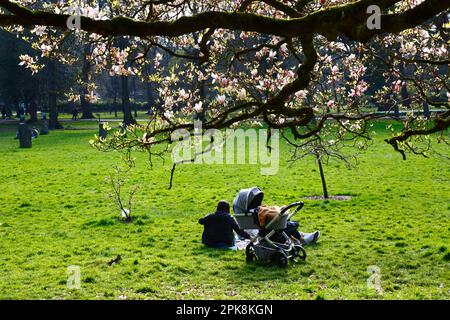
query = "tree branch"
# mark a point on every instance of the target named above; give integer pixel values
(348, 20)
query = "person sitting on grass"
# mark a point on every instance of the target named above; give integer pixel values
(304, 238)
(219, 227)
(34, 133)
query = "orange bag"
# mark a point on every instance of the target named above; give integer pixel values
(266, 214)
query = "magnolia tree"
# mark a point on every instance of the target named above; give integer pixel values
(294, 65)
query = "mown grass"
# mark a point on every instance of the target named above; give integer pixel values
(104, 115)
(54, 213)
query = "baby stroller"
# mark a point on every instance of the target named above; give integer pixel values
(263, 246)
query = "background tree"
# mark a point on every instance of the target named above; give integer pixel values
(16, 84)
(86, 108)
(273, 61)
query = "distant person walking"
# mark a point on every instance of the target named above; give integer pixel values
(74, 113)
(21, 111)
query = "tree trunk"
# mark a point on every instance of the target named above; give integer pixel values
(24, 136)
(406, 101)
(396, 111)
(126, 107)
(52, 107)
(86, 107)
(322, 177)
(150, 95)
(115, 106)
(33, 110)
(16, 104)
(134, 97)
(426, 110)
(115, 87)
(44, 127)
(26, 101)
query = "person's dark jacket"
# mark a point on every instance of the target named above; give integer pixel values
(219, 227)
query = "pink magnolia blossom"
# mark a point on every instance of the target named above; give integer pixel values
(328, 60)
(224, 82)
(289, 74)
(29, 63)
(168, 114)
(441, 52)
(300, 94)
(359, 89)
(221, 99)
(242, 94)
(351, 57)
(157, 60)
(357, 72)
(198, 107)
(264, 84)
(169, 103)
(201, 76)
(92, 12)
(408, 48)
(92, 97)
(335, 70)
(39, 30)
(330, 104)
(272, 55)
(284, 50)
(183, 94)
(396, 86)
(215, 78)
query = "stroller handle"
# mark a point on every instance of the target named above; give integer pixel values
(298, 204)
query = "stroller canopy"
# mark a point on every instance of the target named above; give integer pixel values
(247, 199)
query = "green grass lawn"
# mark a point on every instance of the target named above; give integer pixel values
(80, 124)
(54, 213)
(105, 115)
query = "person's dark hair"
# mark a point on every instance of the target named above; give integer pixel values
(223, 206)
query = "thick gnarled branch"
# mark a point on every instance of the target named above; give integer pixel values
(348, 20)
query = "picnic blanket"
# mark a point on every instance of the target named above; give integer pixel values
(241, 244)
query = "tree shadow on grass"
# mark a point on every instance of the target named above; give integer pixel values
(313, 246)
(211, 252)
(236, 269)
(241, 271)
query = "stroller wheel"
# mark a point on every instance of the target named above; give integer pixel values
(250, 253)
(280, 259)
(301, 252)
